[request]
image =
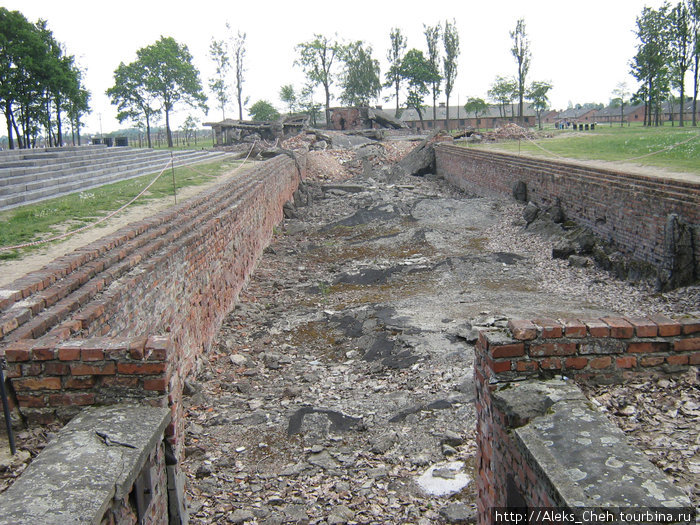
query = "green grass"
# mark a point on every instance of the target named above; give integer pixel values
(622, 144)
(48, 218)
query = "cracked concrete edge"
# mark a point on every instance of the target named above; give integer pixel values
(78, 475)
(583, 457)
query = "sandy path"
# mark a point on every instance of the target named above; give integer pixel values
(14, 269)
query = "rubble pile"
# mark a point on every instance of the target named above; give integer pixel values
(510, 131)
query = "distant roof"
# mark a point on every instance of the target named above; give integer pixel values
(575, 113)
(493, 111)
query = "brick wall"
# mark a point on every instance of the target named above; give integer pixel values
(626, 209)
(606, 349)
(127, 316)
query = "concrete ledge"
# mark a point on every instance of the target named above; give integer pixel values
(578, 453)
(92, 462)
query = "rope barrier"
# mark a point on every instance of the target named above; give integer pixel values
(113, 213)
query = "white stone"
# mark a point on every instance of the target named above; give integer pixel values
(439, 486)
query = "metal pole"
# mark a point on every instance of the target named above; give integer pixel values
(172, 166)
(6, 406)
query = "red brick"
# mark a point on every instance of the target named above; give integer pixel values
(526, 366)
(619, 328)
(18, 351)
(120, 381)
(37, 383)
(82, 369)
(600, 362)
(574, 328)
(558, 349)
(694, 359)
(667, 326)
(31, 401)
(9, 325)
(56, 369)
(80, 383)
(690, 325)
(677, 359)
(72, 399)
(651, 360)
(645, 348)
(141, 368)
(643, 327)
(157, 385)
(92, 354)
(69, 354)
(550, 363)
(550, 328)
(597, 328)
(43, 354)
(522, 329)
(684, 345)
(577, 363)
(13, 370)
(628, 361)
(515, 350)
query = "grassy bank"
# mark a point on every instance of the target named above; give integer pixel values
(55, 216)
(673, 148)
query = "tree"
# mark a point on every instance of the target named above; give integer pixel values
(503, 91)
(263, 110)
(131, 96)
(418, 73)
(695, 31)
(316, 57)
(189, 128)
(360, 79)
(289, 97)
(650, 65)
(450, 39)
(521, 52)
(171, 77)
(395, 56)
(239, 51)
(478, 106)
(621, 93)
(218, 52)
(432, 39)
(537, 95)
(681, 42)
(308, 105)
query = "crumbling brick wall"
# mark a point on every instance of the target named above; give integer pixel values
(629, 210)
(127, 316)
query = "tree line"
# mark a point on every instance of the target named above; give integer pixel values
(41, 86)
(668, 49)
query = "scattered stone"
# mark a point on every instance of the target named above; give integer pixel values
(452, 438)
(238, 359)
(241, 516)
(578, 261)
(440, 486)
(203, 471)
(447, 450)
(458, 513)
(340, 514)
(530, 212)
(324, 460)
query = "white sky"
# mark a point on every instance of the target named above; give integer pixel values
(583, 48)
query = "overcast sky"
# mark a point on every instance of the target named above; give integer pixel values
(582, 48)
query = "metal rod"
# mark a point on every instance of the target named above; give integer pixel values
(172, 166)
(6, 407)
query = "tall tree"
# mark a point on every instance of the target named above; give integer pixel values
(450, 40)
(289, 97)
(360, 78)
(476, 105)
(316, 57)
(537, 94)
(694, 9)
(521, 52)
(239, 51)
(218, 52)
(503, 91)
(681, 43)
(171, 77)
(131, 96)
(650, 65)
(418, 73)
(394, 56)
(432, 39)
(621, 94)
